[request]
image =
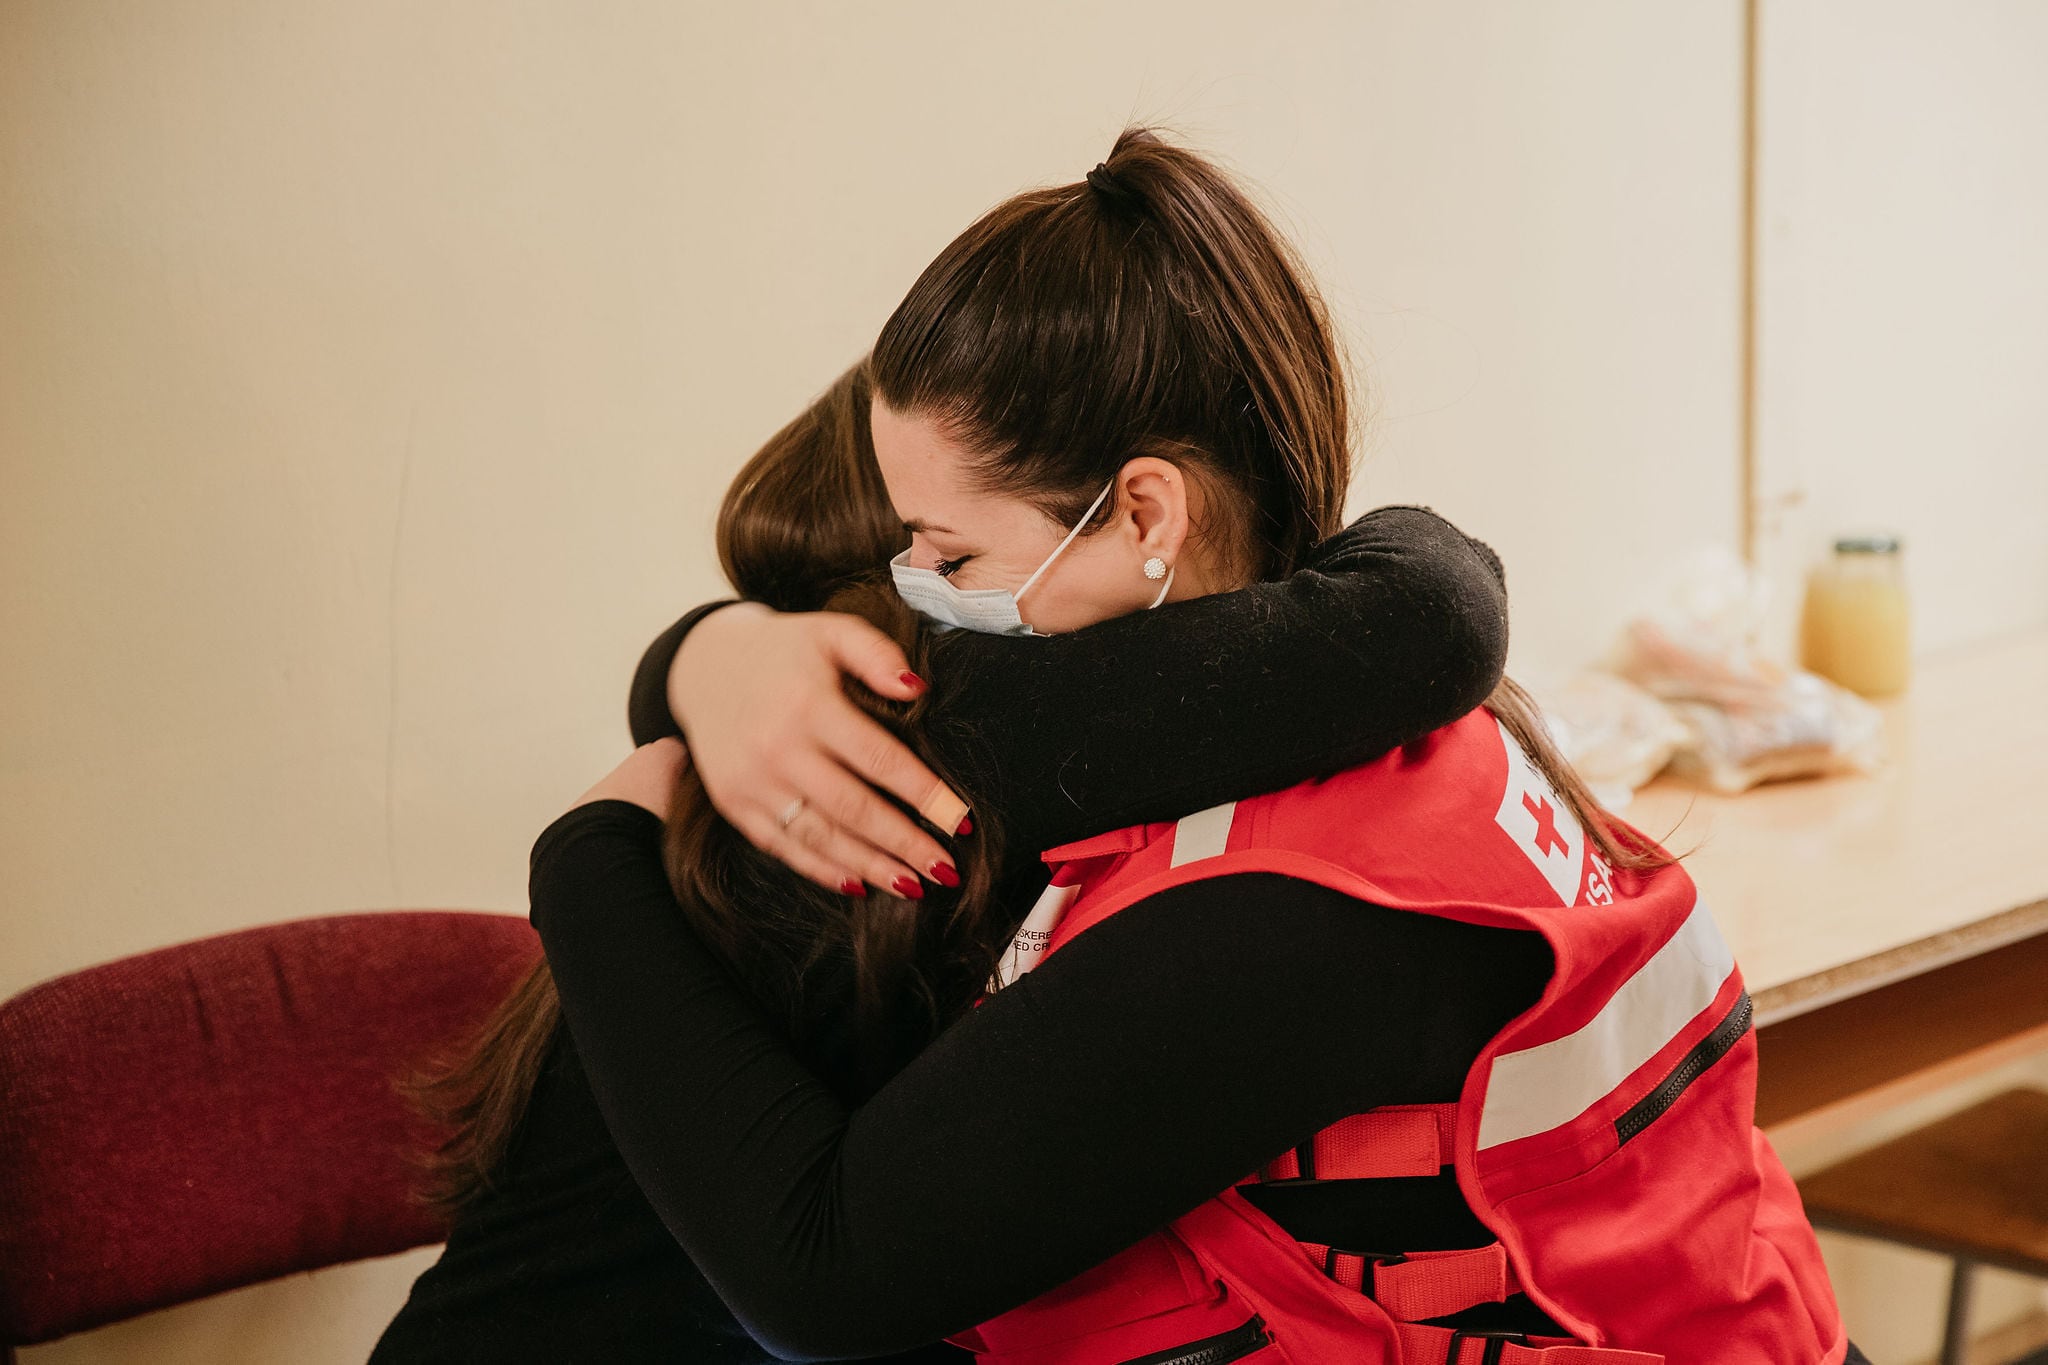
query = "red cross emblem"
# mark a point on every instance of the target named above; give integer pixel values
(1546, 825)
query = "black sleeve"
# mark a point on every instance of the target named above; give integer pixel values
(1397, 625)
(1154, 1061)
(647, 712)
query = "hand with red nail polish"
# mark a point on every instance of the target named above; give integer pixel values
(789, 759)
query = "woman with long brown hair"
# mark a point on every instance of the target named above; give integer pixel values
(1380, 633)
(1099, 389)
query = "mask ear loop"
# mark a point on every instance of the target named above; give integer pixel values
(1065, 543)
(1163, 587)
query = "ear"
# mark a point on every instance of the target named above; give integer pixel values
(1154, 495)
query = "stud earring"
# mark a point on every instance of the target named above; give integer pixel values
(1155, 568)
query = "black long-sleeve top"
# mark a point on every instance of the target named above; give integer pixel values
(1151, 1063)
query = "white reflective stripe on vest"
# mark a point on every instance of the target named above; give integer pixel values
(1544, 1087)
(1203, 834)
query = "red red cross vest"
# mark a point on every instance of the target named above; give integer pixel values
(1606, 1136)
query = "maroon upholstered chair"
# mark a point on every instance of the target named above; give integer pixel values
(222, 1112)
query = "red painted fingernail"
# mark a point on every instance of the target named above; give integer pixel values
(944, 874)
(912, 681)
(909, 888)
(854, 886)
(966, 825)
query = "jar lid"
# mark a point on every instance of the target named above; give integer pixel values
(1867, 545)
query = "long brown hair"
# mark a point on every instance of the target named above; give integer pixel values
(804, 526)
(860, 984)
(809, 513)
(1150, 309)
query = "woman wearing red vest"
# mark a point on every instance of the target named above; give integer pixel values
(1426, 1061)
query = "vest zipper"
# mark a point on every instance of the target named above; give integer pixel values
(1235, 1344)
(1711, 1049)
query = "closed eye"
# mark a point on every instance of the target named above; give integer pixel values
(946, 567)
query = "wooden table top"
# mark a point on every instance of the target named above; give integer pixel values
(1830, 887)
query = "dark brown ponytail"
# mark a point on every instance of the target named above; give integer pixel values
(1147, 309)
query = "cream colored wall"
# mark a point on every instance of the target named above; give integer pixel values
(371, 372)
(1903, 327)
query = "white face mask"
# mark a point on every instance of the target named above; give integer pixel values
(990, 611)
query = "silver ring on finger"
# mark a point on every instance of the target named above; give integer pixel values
(790, 812)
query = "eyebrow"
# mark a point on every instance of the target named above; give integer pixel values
(917, 524)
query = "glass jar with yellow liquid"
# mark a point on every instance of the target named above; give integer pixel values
(1855, 627)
